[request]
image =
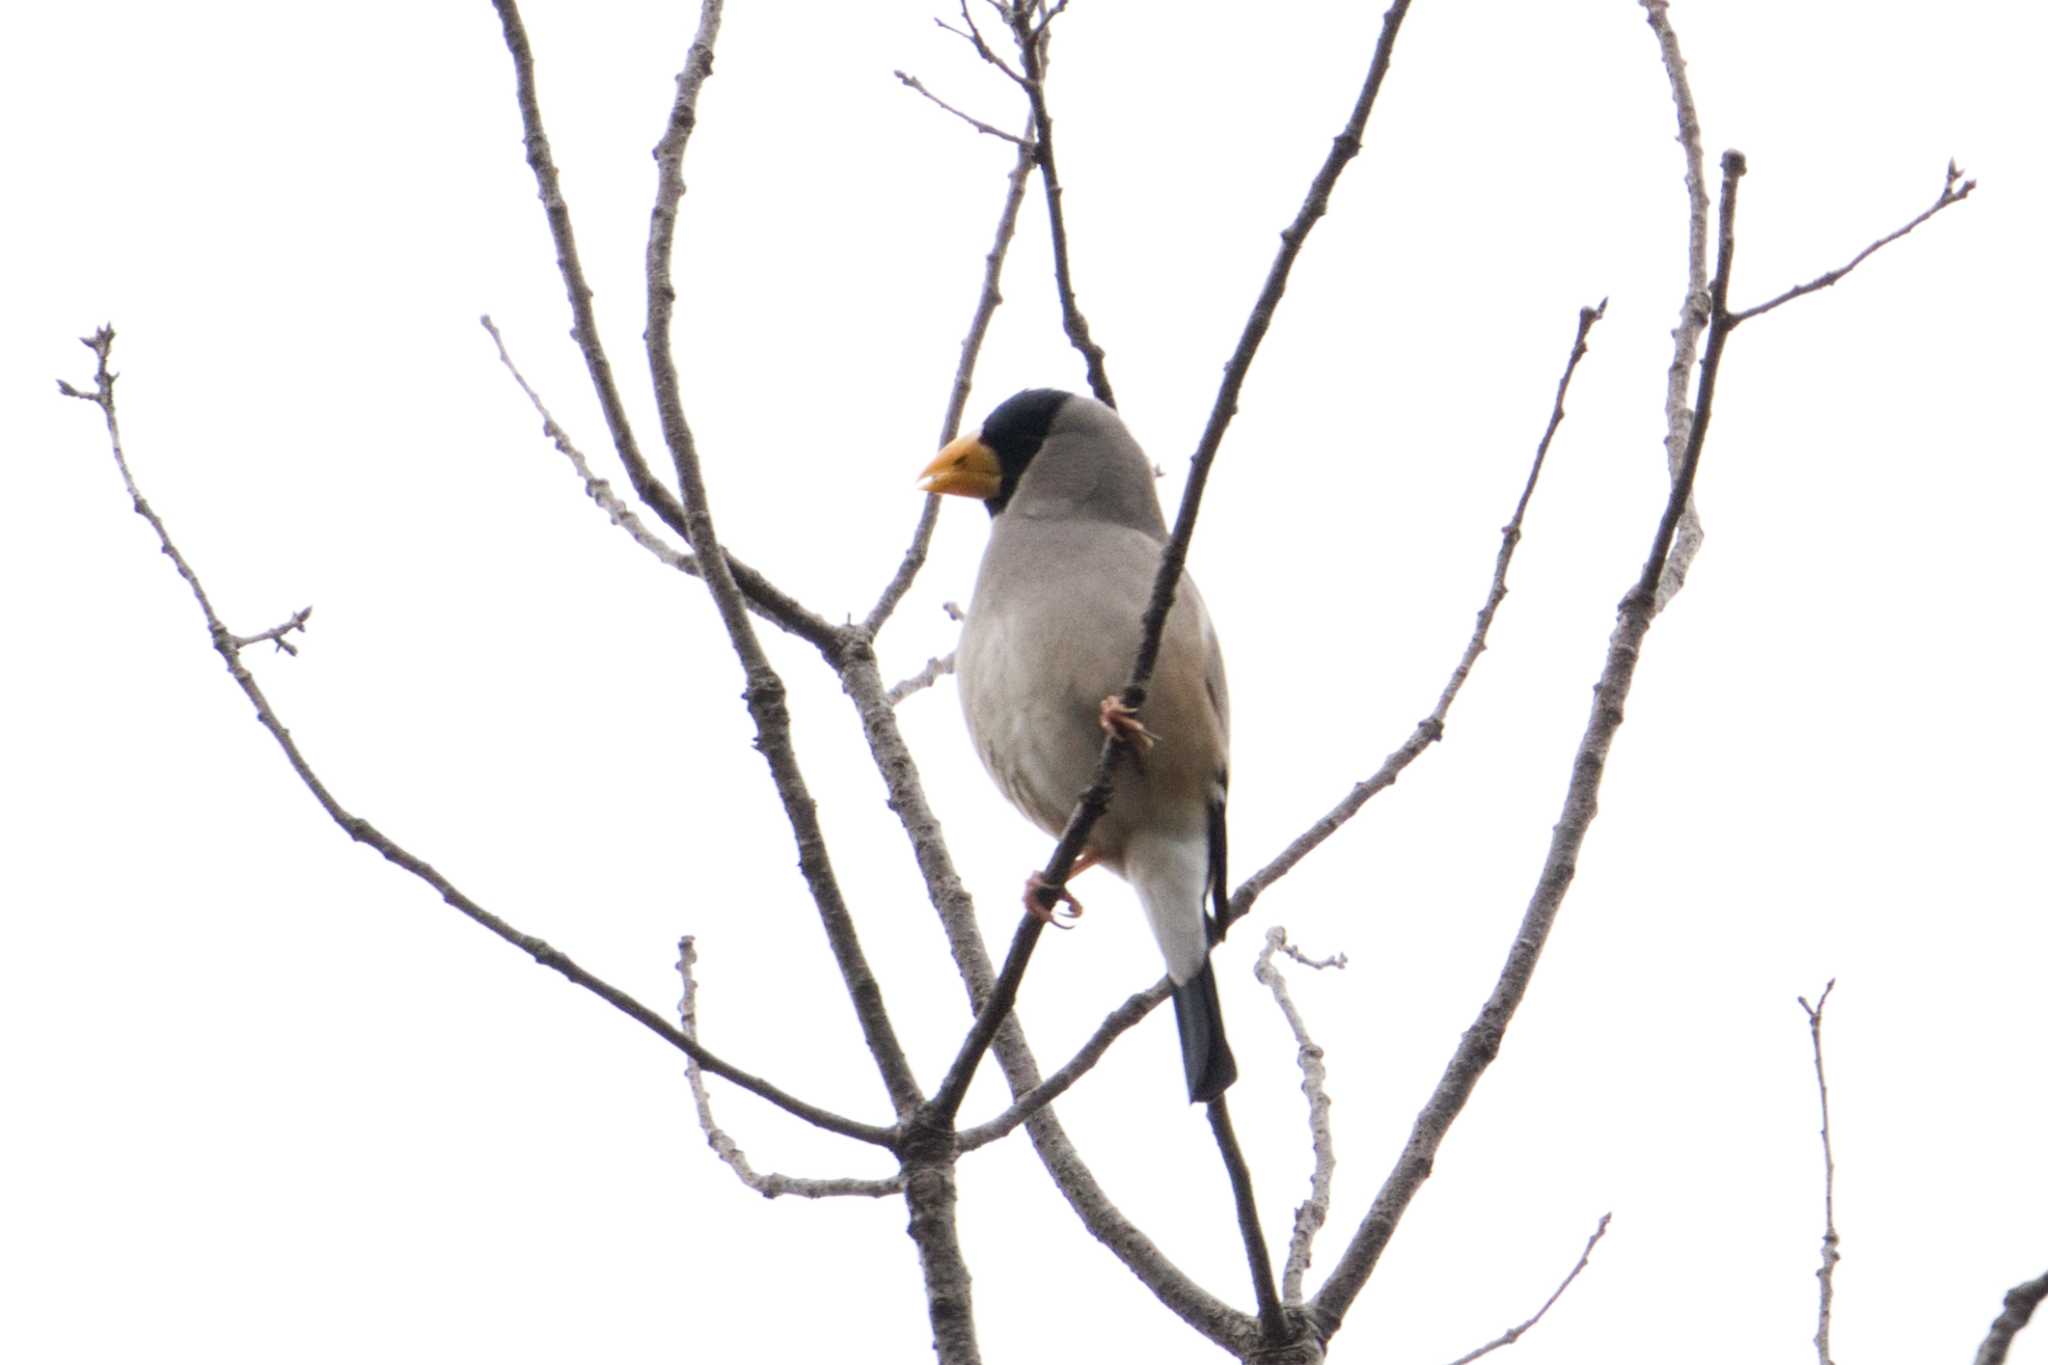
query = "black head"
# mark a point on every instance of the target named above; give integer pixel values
(1015, 431)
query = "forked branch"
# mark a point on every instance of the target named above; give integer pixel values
(770, 1184)
(956, 401)
(1430, 728)
(229, 647)
(1481, 1042)
(1031, 29)
(771, 601)
(766, 696)
(1954, 190)
(1692, 307)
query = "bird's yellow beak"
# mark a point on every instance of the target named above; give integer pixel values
(966, 467)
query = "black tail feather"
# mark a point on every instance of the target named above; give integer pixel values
(1203, 1047)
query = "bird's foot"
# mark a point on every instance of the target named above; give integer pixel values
(1121, 723)
(1035, 892)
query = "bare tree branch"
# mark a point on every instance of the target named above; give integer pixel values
(1431, 728)
(599, 490)
(362, 831)
(987, 128)
(1202, 1310)
(1274, 1329)
(784, 610)
(1481, 1042)
(1514, 1334)
(276, 634)
(1954, 190)
(2020, 1302)
(925, 1136)
(766, 695)
(773, 1183)
(1310, 1214)
(955, 909)
(1314, 205)
(994, 1009)
(991, 296)
(1692, 309)
(933, 670)
(1118, 1022)
(1174, 558)
(1830, 1241)
(1315, 964)
(971, 32)
(963, 381)
(924, 1147)
(1032, 38)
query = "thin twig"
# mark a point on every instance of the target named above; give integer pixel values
(1481, 1042)
(996, 1008)
(972, 33)
(1273, 1325)
(1954, 190)
(766, 695)
(2020, 1302)
(1830, 1241)
(1314, 205)
(362, 831)
(987, 128)
(1692, 309)
(1119, 1021)
(1315, 964)
(1514, 1334)
(1032, 39)
(773, 1183)
(991, 296)
(963, 381)
(778, 606)
(930, 1192)
(934, 669)
(599, 490)
(1311, 1213)
(276, 633)
(1431, 728)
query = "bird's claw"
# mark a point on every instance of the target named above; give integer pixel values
(1121, 723)
(1035, 892)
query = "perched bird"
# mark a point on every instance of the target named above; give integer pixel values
(1074, 544)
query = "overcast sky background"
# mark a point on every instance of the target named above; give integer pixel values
(269, 1099)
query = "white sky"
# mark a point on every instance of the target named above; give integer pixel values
(269, 1099)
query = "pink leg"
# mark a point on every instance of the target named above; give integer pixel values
(1035, 906)
(1121, 722)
